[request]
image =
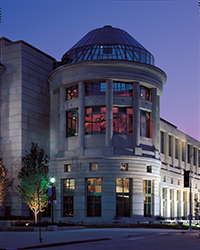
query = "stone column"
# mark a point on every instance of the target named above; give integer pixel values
(155, 117)
(136, 115)
(109, 113)
(81, 89)
(62, 120)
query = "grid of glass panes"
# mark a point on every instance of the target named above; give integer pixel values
(146, 124)
(95, 88)
(118, 52)
(95, 120)
(122, 89)
(72, 123)
(68, 197)
(147, 198)
(72, 92)
(123, 120)
(94, 187)
(123, 197)
(145, 93)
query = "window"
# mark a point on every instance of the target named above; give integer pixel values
(149, 169)
(123, 89)
(177, 205)
(164, 178)
(94, 197)
(123, 197)
(67, 168)
(195, 186)
(184, 205)
(46, 169)
(183, 151)
(123, 120)
(93, 166)
(176, 148)
(95, 88)
(95, 120)
(172, 181)
(68, 197)
(162, 142)
(194, 156)
(171, 203)
(72, 122)
(188, 153)
(178, 182)
(146, 124)
(124, 166)
(170, 145)
(72, 92)
(147, 198)
(145, 93)
(164, 201)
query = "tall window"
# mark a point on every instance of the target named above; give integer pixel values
(122, 89)
(164, 192)
(147, 198)
(194, 156)
(171, 200)
(170, 145)
(184, 205)
(176, 148)
(188, 153)
(72, 92)
(146, 124)
(72, 123)
(123, 197)
(145, 93)
(183, 151)
(123, 120)
(94, 197)
(162, 142)
(68, 197)
(95, 88)
(177, 204)
(95, 120)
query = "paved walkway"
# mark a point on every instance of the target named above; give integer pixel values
(28, 240)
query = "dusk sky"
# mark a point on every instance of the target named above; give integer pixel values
(170, 30)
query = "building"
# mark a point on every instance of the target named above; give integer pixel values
(111, 154)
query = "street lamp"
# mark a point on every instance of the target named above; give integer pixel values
(52, 180)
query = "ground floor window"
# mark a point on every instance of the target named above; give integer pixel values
(147, 198)
(68, 197)
(123, 197)
(94, 187)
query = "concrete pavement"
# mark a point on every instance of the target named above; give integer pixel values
(30, 240)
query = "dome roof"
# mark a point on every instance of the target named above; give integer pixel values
(108, 43)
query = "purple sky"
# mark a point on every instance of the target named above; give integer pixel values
(168, 29)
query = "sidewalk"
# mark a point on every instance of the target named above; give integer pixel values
(28, 240)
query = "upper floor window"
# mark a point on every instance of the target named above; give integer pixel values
(122, 89)
(183, 151)
(162, 142)
(188, 153)
(194, 156)
(170, 145)
(72, 92)
(145, 93)
(95, 88)
(72, 123)
(146, 124)
(123, 120)
(176, 148)
(95, 120)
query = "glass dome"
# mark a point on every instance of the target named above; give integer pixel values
(108, 43)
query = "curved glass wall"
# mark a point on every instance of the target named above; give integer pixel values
(115, 51)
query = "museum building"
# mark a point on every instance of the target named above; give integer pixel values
(97, 114)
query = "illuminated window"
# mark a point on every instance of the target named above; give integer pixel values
(123, 120)
(147, 198)
(146, 124)
(94, 197)
(145, 93)
(124, 166)
(95, 88)
(72, 92)
(67, 168)
(95, 120)
(93, 166)
(123, 197)
(72, 122)
(122, 89)
(68, 197)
